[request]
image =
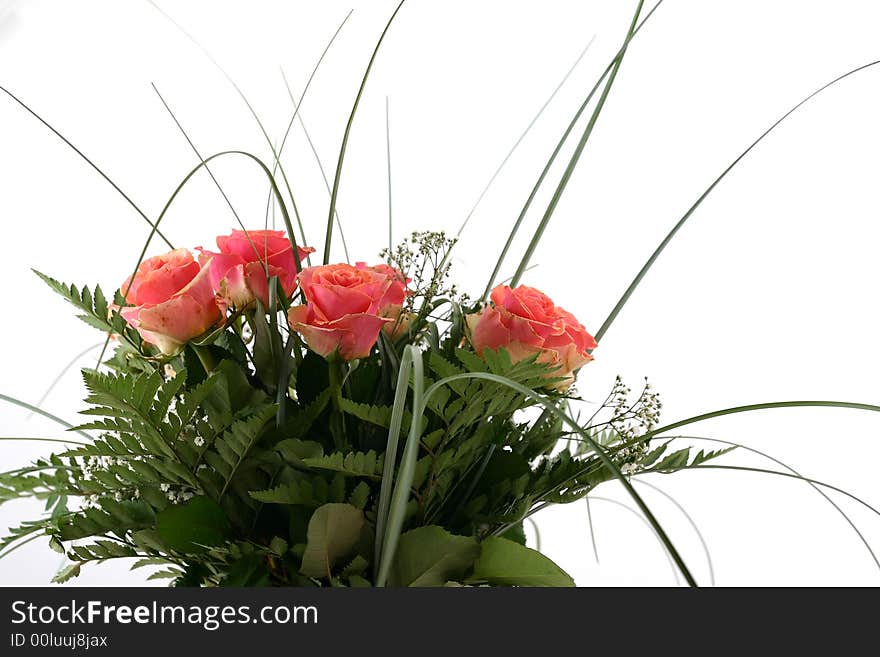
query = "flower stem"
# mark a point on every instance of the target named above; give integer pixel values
(336, 368)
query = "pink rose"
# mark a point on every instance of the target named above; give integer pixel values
(238, 272)
(390, 303)
(171, 299)
(346, 307)
(525, 321)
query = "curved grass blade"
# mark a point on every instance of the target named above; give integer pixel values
(579, 149)
(681, 222)
(213, 177)
(651, 529)
(182, 184)
(44, 440)
(45, 414)
(516, 225)
(524, 134)
(406, 473)
(759, 407)
(537, 533)
(598, 449)
(298, 115)
(400, 393)
(692, 524)
(21, 544)
(89, 161)
(335, 192)
(592, 529)
(775, 460)
(388, 160)
(61, 373)
(297, 105)
(253, 112)
(744, 468)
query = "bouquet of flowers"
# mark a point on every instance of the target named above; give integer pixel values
(266, 420)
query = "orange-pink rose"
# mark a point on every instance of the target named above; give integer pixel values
(525, 321)
(346, 307)
(172, 300)
(238, 271)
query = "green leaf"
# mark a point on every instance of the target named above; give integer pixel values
(312, 379)
(505, 563)
(354, 464)
(249, 570)
(334, 532)
(188, 527)
(278, 546)
(360, 495)
(67, 573)
(299, 492)
(293, 450)
(431, 556)
(267, 349)
(517, 534)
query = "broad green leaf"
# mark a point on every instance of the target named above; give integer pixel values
(505, 563)
(333, 533)
(431, 556)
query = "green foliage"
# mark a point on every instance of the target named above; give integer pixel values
(334, 532)
(94, 308)
(194, 526)
(355, 464)
(204, 465)
(431, 556)
(506, 563)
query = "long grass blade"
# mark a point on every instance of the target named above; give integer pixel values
(782, 464)
(335, 192)
(759, 407)
(406, 473)
(13, 548)
(302, 122)
(88, 161)
(210, 173)
(692, 523)
(638, 515)
(592, 529)
(400, 393)
(278, 197)
(61, 374)
(743, 468)
(681, 222)
(388, 161)
(253, 112)
(45, 414)
(528, 204)
(524, 135)
(43, 440)
(576, 156)
(537, 531)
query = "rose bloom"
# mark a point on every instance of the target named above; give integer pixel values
(238, 271)
(525, 321)
(346, 307)
(172, 300)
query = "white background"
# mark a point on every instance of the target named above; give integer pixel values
(770, 293)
